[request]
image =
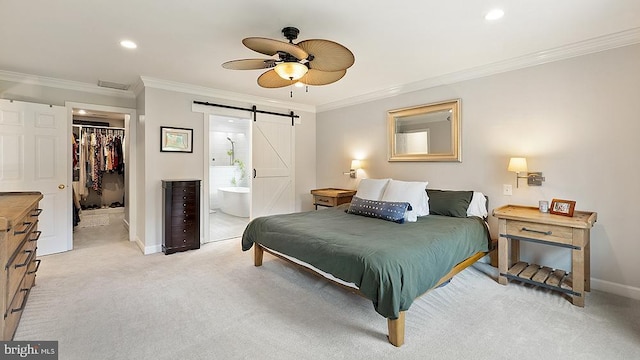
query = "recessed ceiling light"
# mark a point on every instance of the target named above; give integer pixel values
(494, 14)
(128, 44)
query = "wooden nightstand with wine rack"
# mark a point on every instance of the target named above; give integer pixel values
(521, 223)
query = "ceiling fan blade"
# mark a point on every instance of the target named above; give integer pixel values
(249, 64)
(271, 47)
(317, 77)
(328, 55)
(271, 80)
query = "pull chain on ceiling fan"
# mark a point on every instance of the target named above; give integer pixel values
(310, 62)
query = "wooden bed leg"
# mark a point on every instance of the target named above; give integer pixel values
(396, 330)
(257, 255)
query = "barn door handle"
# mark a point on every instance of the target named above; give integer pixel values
(254, 173)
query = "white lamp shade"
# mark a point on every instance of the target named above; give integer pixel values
(517, 164)
(291, 70)
(355, 164)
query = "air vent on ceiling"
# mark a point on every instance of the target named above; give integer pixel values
(113, 85)
(98, 115)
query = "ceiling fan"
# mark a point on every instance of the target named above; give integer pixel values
(310, 62)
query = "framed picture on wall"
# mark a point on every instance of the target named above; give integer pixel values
(176, 139)
(562, 207)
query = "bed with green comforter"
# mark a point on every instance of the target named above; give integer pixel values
(390, 263)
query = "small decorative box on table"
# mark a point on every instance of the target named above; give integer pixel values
(522, 223)
(330, 197)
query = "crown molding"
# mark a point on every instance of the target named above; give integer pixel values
(137, 87)
(602, 43)
(222, 94)
(63, 84)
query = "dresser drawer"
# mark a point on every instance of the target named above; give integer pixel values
(17, 268)
(184, 194)
(14, 311)
(184, 232)
(325, 200)
(189, 211)
(18, 234)
(538, 231)
(184, 221)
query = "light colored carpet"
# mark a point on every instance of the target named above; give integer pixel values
(105, 300)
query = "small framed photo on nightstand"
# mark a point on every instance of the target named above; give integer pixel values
(562, 207)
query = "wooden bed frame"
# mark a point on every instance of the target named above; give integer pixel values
(395, 326)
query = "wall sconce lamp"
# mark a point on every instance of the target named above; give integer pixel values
(519, 165)
(353, 171)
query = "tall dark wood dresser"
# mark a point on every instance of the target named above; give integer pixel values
(180, 215)
(18, 238)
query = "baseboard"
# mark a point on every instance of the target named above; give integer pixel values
(139, 243)
(147, 249)
(152, 249)
(615, 288)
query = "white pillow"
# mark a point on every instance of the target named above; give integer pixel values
(478, 205)
(371, 189)
(413, 192)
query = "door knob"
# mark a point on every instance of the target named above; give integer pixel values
(61, 186)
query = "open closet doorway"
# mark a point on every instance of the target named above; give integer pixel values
(101, 162)
(229, 176)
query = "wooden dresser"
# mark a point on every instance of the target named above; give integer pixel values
(180, 215)
(18, 238)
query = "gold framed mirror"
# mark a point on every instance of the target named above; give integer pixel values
(428, 132)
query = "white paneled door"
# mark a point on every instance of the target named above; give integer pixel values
(34, 156)
(272, 186)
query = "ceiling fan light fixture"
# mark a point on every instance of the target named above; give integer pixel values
(291, 70)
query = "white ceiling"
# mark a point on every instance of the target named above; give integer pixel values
(394, 42)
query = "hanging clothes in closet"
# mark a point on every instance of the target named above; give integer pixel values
(100, 151)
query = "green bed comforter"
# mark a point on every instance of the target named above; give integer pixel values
(392, 264)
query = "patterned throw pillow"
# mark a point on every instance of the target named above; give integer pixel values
(385, 210)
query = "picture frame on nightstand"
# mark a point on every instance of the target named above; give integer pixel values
(562, 207)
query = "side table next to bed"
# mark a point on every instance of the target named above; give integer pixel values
(521, 223)
(330, 197)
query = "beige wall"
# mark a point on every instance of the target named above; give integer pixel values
(575, 120)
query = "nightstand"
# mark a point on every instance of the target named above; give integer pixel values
(330, 197)
(522, 223)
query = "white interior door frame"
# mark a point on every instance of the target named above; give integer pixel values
(130, 157)
(207, 112)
